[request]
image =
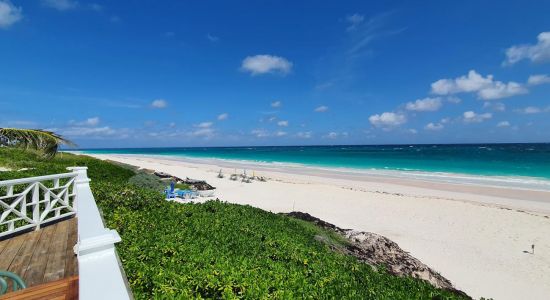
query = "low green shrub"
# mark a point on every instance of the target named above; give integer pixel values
(149, 181)
(218, 250)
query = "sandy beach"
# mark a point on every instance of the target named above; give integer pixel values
(479, 237)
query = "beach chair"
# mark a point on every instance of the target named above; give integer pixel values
(16, 282)
(220, 174)
(233, 177)
(170, 191)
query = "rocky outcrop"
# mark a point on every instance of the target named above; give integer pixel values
(378, 250)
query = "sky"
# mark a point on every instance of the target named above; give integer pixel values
(245, 73)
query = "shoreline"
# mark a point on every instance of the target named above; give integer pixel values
(528, 183)
(472, 235)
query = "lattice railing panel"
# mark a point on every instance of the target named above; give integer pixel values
(31, 202)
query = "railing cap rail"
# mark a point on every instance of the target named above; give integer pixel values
(37, 178)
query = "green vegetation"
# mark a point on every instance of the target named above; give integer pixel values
(219, 250)
(47, 142)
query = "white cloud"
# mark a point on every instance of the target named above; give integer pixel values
(331, 135)
(434, 126)
(503, 124)
(426, 104)
(280, 133)
(9, 14)
(496, 106)
(501, 90)
(354, 21)
(205, 132)
(223, 116)
(304, 134)
(412, 131)
(532, 110)
(159, 103)
(88, 122)
(271, 119)
(88, 131)
(321, 108)
(485, 87)
(61, 5)
(262, 64)
(260, 133)
(445, 120)
(472, 117)
(537, 53)
(204, 125)
(538, 79)
(212, 38)
(387, 119)
(276, 104)
(282, 123)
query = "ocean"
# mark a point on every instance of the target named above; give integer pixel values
(524, 160)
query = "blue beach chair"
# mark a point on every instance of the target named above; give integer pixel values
(170, 191)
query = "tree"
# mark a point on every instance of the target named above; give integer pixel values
(45, 141)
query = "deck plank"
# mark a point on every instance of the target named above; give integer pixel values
(10, 251)
(55, 267)
(20, 263)
(37, 265)
(71, 265)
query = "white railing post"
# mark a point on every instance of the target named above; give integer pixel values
(100, 276)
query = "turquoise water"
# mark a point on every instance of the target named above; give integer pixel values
(532, 160)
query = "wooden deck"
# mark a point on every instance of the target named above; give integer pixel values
(42, 256)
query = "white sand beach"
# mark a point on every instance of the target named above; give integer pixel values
(478, 237)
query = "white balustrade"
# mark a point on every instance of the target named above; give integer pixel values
(32, 202)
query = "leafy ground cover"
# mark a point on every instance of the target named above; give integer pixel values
(219, 250)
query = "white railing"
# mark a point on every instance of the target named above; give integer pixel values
(31, 202)
(99, 270)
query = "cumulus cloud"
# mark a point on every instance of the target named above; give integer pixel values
(532, 110)
(204, 125)
(485, 87)
(496, 106)
(61, 5)
(88, 122)
(426, 104)
(454, 99)
(354, 21)
(223, 116)
(538, 79)
(88, 131)
(159, 103)
(387, 119)
(276, 104)
(280, 133)
(9, 14)
(503, 124)
(472, 117)
(304, 134)
(537, 53)
(334, 135)
(260, 133)
(282, 123)
(204, 132)
(412, 131)
(321, 108)
(434, 126)
(263, 64)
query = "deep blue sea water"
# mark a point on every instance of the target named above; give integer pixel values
(532, 160)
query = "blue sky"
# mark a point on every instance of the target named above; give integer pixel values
(230, 73)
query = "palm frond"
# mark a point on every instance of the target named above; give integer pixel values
(43, 140)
